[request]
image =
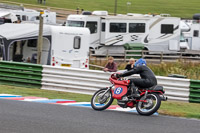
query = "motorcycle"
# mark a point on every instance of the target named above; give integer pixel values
(147, 104)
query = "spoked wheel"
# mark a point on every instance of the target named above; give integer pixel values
(100, 102)
(151, 105)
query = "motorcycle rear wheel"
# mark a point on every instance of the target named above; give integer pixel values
(101, 103)
(151, 106)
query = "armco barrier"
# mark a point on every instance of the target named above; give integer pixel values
(195, 91)
(89, 81)
(73, 80)
(85, 81)
(176, 88)
(20, 74)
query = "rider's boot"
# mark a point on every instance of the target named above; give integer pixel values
(135, 91)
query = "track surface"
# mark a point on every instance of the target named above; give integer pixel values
(30, 117)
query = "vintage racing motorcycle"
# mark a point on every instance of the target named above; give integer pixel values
(147, 104)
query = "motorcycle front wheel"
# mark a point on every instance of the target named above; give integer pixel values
(152, 104)
(100, 102)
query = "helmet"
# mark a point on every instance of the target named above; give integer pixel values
(140, 62)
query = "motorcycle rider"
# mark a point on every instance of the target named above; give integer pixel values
(147, 79)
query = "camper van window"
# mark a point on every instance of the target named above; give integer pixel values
(103, 27)
(77, 42)
(118, 27)
(196, 33)
(1, 21)
(18, 17)
(137, 28)
(167, 28)
(92, 26)
(24, 18)
(75, 23)
(37, 18)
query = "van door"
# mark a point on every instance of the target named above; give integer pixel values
(94, 28)
(103, 31)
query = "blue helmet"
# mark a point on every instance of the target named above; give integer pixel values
(140, 62)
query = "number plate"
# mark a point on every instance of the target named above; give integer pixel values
(66, 65)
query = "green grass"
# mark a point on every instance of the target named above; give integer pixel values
(178, 8)
(180, 109)
(4, 89)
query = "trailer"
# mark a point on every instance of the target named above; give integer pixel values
(62, 46)
(154, 32)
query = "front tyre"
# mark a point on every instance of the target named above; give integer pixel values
(152, 104)
(99, 102)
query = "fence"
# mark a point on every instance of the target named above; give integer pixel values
(85, 81)
(20, 74)
(154, 56)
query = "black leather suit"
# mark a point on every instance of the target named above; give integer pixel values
(147, 79)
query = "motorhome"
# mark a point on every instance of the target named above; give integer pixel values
(7, 17)
(192, 36)
(62, 46)
(155, 32)
(30, 15)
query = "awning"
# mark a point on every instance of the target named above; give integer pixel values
(14, 31)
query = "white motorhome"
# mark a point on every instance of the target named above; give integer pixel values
(32, 15)
(7, 17)
(156, 33)
(192, 36)
(62, 46)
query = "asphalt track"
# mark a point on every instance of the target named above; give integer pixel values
(31, 117)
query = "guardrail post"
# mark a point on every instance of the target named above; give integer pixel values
(181, 56)
(161, 57)
(124, 55)
(107, 54)
(142, 54)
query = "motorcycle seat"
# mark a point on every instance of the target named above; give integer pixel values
(156, 88)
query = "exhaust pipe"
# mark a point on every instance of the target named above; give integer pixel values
(163, 98)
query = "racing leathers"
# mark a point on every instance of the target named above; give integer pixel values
(147, 79)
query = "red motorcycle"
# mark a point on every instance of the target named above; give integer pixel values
(147, 104)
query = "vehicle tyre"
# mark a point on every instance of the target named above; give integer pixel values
(151, 106)
(100, 103)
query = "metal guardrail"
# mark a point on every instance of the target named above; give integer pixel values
(73, 80)
(195, 91)
(89, 81)
(85, 81)
(20, 74)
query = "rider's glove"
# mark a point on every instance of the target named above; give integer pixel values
(118, 75)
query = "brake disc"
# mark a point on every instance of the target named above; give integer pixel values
(148, 104)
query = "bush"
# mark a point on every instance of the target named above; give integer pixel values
(188, 69)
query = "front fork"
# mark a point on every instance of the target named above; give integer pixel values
(106, 91)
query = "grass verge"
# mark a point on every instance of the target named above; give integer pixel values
(179, 109)
(178, 8)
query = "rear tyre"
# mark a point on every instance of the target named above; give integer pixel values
(99, 102)
(151, 106)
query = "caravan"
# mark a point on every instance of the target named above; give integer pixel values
(154, 32)
(62, 46)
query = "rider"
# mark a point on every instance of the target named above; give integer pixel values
(147, 79)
